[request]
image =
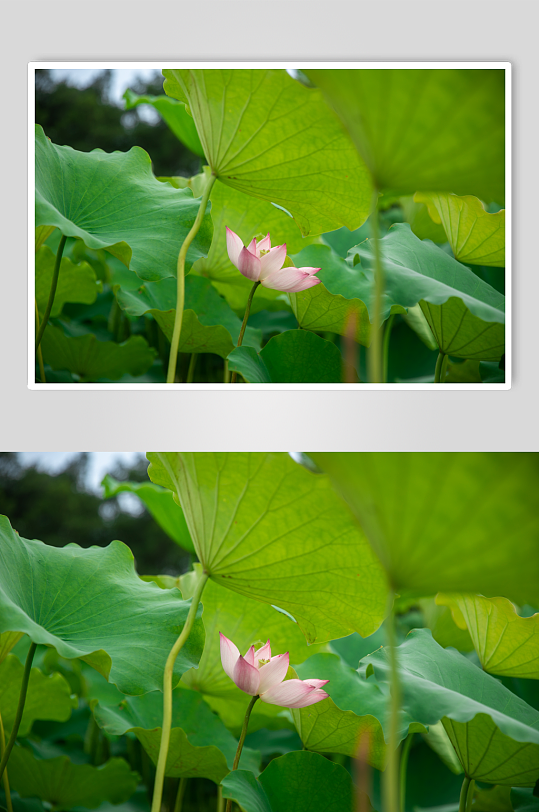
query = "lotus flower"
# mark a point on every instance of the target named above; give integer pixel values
(260, 674)
(259, 262)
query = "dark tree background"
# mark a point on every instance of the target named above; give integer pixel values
(86, 118)
(59, 509)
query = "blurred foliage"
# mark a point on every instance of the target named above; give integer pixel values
(31, 499)
(87, 118)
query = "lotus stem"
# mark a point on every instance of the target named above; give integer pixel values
(167, 693)
(39, 353)
(240, 743)
(52, 292)
(391, 774)
(385, 351)
(441, 366)
(9, 805)
(375, 359)
(180, 289)
(192, 365)
(466, 794)
(20, 708)
(244, 324)
(403, 768)
(178, 804)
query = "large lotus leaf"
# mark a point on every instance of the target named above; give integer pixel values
(200, 745)
(495, 733)
(42, 234)
(7, 641)
(209, 325)
(420, 221)
(246, 622)
(265, 527)
(65, 784)
(465, 314)
(113, 201)
(174, 114)
(356, 711)
(48, 697)
(76, 283)
(476, 236)
(248, 217)
(444, 629)
(424, 129)
(506, 644)
(295, 782)
(270, 137)
(295, 356)
(160, 503)
(447, 522)
(92, 359)
(89, 603)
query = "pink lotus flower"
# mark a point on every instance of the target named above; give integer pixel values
(260, 674)
(259, 262)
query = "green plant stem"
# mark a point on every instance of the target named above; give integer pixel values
(54, 284)
(20, 708)
(376, 365)
(240, 743)
(226, 376)
(441, 366)
(391, 774)
(179, 795)
(192, 365)
(39, 353)
(167, 693)
(9, 805)
(180, 289)
(466, 794)
(220, 799)
(403, 768)
(385, 350)
(244, 323)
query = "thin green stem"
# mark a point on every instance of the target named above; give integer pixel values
(20, 708)
(39, 353)
(167, 693)
(192, 365)
(376, 366)
(226, 373)
(9, 805)
(179, 795)
(180, 287)
(220, 800)
(391, 775)
(54, 284)
(385, 350)
(244, 323)
(466, 794)
(403, 768)
(240, 743)
(441, 364)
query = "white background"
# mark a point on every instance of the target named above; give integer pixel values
(245, 420)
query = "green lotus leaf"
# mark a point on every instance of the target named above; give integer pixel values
(89, 603)
(244, 621)
(495, 733)
(295, 782)
(506, 644)
(64, 784)
(7, 641)
(76, 283)
(270, 137)
(113, 201)
(160, 503)
(524, 800)
(42, 234)
(447, 522)
(209, 325)
(174, 114)
(356, 711)
(92, 359)
(444, 629)
(424, 129)
(200, 745)
(265, 527)
(48, 697)
(476, 236)
(248, 217)
(295, 356)
(421, 223)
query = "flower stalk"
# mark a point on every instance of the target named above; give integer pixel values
(244, 324)
(20, 708)
(240, 743)
(52, 292)
(180, 282)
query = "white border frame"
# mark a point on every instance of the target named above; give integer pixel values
(33, 66)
